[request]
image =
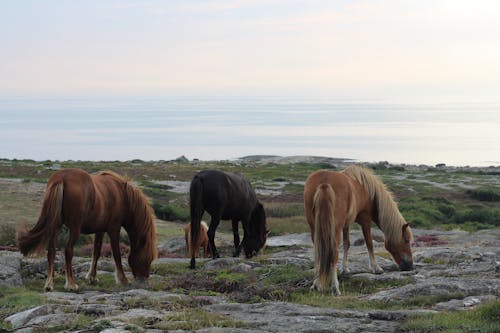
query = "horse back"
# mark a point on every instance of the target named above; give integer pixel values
(226, 194)
(340, 185)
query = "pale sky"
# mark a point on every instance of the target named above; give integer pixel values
(350, 49)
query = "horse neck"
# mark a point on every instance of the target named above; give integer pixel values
(388, 218)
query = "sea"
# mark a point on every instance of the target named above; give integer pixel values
(226, 128)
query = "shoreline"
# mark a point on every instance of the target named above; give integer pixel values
(281, 160)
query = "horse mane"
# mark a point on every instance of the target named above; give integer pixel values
(142, 218)
(390, 219)
(144, 223)
(112, 174)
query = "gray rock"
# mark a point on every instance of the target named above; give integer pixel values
(52, 320)
(286, 317)
(464, 304)
(10, 264)
(440, 287)
(242, 268)
(145, 316)
(289, 240)
(21, 318)
(95, 310)
(221, 263)
(174, 245)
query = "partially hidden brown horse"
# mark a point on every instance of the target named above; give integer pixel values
(201, 242)
(333, 201)
(93, 204)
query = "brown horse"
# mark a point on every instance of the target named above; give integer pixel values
(93, 204)
(334, 200)
(201, 242)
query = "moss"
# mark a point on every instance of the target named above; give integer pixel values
(485, 318)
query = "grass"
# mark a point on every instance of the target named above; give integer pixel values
(485, 319)
(433, 198)
(13, 300)
(326, 300)
(282, 226)
(168, 230)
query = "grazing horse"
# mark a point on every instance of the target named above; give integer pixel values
(202, 240)
(93, 204)
(334, 200)
(227, 196)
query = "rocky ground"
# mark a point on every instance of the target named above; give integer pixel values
(454, 271)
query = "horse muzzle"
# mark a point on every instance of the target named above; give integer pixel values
(406, 265)
(250, 254)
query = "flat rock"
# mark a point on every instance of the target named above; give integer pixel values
(287, 317)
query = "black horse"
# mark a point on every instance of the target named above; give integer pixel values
(227, 196)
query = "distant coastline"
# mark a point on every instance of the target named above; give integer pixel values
(323, 161)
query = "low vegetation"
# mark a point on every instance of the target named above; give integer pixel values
(485, 318)
(466, 199)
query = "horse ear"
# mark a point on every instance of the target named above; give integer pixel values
(406, 234)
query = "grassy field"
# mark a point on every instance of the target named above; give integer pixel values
(433, 198)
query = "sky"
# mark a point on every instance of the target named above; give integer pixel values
(424, 49)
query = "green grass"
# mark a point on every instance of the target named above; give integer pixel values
(168, 230)
(13, 300)
(284, 209)
(326, 300)
(485, 319)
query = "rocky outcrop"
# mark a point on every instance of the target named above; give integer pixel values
(459, 273)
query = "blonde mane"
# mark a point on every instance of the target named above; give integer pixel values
(390, 219)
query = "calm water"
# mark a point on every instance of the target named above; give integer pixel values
(227, 128)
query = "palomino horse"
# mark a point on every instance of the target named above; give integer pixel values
(333, 201)
(227, 196)
(93, 204)
(202, 240)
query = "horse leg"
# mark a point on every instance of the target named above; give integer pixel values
(211, 236)
(114, 238)
(51, 255)
(68, 253)
(96, 253)
(346, 242)
(365, 226)
(236, 236)
(335, 280)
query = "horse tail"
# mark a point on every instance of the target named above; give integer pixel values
(196, 210)
(35, 241)
(324, 234)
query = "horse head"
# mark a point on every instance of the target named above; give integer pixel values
(140, 265)
(258, 232)
(401, 249)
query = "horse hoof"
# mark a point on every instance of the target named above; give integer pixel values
(48, 288)
(71, 287)
(92, 281)
(335, 292)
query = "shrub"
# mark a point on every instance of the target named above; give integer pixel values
(485, 194)
(170, 212)
(7, 235)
